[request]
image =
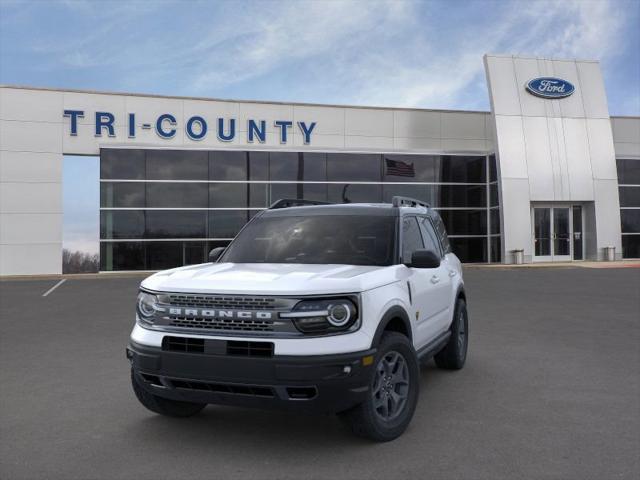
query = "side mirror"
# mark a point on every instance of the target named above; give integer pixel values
(424, 259)
(215, 254)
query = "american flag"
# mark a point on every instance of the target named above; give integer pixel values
(399, 168)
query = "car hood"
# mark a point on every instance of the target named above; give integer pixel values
(270, 278)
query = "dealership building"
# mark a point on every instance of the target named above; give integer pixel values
(546, 175)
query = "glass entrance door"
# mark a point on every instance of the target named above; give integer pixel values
(557, 233)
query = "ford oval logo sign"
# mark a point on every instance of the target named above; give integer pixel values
(550, 87)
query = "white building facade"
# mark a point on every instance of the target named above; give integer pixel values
(547, 174)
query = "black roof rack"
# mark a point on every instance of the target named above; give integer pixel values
(293, 202)
(398, 201)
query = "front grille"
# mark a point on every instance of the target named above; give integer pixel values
(223, 302)
(253, 390)
(183, 344)
(250, 349)
(225, 324)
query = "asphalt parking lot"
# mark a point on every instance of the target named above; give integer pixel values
(551, 390)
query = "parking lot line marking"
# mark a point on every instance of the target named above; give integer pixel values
(54, 287)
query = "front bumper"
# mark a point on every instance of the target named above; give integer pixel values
(319, 383)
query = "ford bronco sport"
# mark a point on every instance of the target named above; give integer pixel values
(313, 307)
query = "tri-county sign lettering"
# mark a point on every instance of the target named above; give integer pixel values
(196, 127)
(550, 87)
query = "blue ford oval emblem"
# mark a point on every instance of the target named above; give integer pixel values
(550, 87)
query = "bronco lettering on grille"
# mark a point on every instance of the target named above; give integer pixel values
(209, 313)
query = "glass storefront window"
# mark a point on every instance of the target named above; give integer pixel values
(628, 171)
(177, 165)
(354, 193)
(122, 224)
(631, 246)
(122, 195)
(465, 222)
(177, 195)
(629, 196)
(630, 221)
(122, 164)
(225, 165)
(359, 167)
(176, 224)
(246, 181)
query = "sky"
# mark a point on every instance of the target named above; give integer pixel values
(381, 53)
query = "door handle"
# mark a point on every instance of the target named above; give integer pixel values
(452, 273)
(435, 279)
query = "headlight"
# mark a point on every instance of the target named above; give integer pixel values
(329, 315)
(146, 306)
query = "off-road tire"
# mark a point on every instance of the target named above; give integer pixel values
(364, 420)
(454, 353)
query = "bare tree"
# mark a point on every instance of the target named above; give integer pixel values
(79, 262)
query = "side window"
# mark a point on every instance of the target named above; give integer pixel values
(430, 238)
(411, 238)
(442, 233)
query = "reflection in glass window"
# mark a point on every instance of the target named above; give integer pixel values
(496, 252)
(630, 221)
(462, 169)
(494, 217)
(122, 224)
(354, 167)
(227, 223)
(419, 192)
(629, 196)
(176, 224)
(493, 168)
(228, 195)
(285, 166)
(177, 165)
(123, 164)
(429, 236)
(258, 166)
(231, 165)
(177, 195)
(631, 246)
(163, 255)
(411, 168)
(307, 191)
(119, 195)
(628, 171)
(443, 196)
(470, 249)
(465, 222)
(122, 256)
(354, 193)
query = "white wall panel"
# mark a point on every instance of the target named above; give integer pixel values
(269, 113)
(30, 136)
(461, 145)
(431, 145)
(539, 164)
(30, 105)
(607, 209)
(525, 70)
(23, 228)
(601, 149)
(329, 120)
(368, 143)
(463, 125)
(517, 217)
(416, 124)
(30, 167)
(31, 259)
(571, 106)
(513, 162)
(626, 130)
(578, 159)
(91, 103)
(501, 78)
(369, 122)
(591, 81)
(31, 197)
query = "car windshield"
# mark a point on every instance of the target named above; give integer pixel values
(342, 239)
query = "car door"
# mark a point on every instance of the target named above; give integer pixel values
(441, 279)
(424, 289)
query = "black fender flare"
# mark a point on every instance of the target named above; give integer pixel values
(395, 311)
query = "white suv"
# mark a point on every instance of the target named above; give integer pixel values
(313, 307)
